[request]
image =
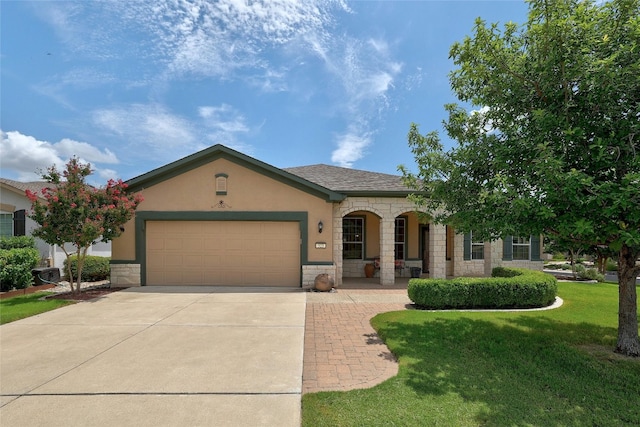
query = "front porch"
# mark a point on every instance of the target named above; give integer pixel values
(372, 283)
(390, 237)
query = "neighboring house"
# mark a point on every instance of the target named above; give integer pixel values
(15, 221)
(219, 217)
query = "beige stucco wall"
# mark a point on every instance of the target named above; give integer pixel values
(247, 191)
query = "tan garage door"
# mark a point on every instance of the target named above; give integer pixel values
(236, 253)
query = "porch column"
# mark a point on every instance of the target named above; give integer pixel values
(437, 251)
(337, 244)
(488, 259)
(387, 251)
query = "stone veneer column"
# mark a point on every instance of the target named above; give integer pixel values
(488, 259)
(337, 244)
(387, 247)
(437, 251)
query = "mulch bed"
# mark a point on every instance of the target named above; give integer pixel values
(85, 294)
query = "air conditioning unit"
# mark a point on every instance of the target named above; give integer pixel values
(46, 276)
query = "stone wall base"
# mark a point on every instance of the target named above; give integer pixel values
(125, 275)
(309, 273)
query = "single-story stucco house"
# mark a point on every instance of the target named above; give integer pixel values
(220, 217)
(15, 221)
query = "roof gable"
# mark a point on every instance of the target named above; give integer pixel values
(219, 151)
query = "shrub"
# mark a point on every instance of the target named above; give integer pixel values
(15, 267)
(507, 288)
(611, 265)
(95, 268)
(589, 273)
(17, 242)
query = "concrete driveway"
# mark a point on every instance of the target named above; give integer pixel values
(156, 356)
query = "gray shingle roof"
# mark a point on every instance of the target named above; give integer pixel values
(345, 180)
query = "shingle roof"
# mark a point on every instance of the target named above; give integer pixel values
(345, 180)
(34, 186)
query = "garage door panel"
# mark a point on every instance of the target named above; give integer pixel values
(223, 253)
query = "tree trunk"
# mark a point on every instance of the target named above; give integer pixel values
(628, 341)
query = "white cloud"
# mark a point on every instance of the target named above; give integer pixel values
(366, 74)
(224, 118)
(151, 130)
(69, 148)
(29, 157)
(351, 147)
(149, 127)
(217, 38)
(225, 125)
(487, 123)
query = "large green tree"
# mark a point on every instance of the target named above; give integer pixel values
(551, 144)
(71, 211)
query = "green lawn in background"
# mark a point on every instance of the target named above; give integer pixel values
(544, 368)
(16, 308)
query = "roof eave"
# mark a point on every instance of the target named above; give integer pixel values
(389, 194)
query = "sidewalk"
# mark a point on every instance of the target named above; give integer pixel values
(341, 349)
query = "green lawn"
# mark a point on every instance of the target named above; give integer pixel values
(16, 308)
(549, 368)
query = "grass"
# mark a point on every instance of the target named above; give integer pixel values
(16, 308)
(547, 368)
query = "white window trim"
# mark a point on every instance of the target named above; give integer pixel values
(476, 244)
(520, 245)
(360, 242)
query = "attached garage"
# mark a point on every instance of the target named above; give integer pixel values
(228, 253)
(221, 218)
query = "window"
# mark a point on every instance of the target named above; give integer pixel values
(6, 225)
(353, 238)
(473, 248)
(477, 248)
(400, 237)
(221, 184)
(521, 246)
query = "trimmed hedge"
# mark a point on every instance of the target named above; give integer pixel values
(507, 288)
(17, 242)
(95, 268)
(15, 267)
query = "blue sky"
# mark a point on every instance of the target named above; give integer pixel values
(130, 86)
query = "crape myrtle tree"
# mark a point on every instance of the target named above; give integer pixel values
(74, 212)
(551, 144)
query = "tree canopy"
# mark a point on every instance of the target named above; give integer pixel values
(74, 212)
(552, 143)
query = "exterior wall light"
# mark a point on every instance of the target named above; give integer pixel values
(320, 227)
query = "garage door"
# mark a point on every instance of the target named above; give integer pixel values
(237, 253)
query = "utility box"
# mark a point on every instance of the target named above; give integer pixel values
(46, 276)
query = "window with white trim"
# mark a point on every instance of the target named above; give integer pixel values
(353, 238)
(477, 247)
(400, 237)
(521, 248)
(6, 224)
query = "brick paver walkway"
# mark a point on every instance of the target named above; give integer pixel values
(341, 350)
